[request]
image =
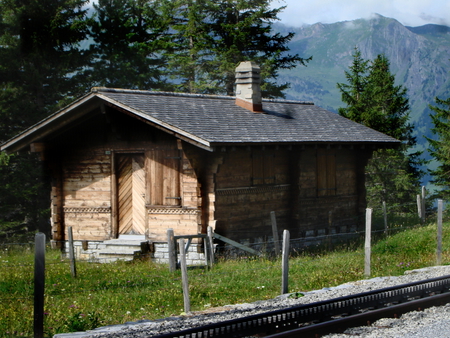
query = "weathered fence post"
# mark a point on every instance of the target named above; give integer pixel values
(285, 262)
(367, 249)
(172, 257)
(184, 277)
(73, 269)
(386, 227)
(439, 233)
(276, 242)
(210, 244)
(422, 206)
(39, 284)
(419, 207)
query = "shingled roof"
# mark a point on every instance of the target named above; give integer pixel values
(212, 121)
(218, 120)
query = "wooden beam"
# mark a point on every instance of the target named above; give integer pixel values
(236, 244)
(38, 147)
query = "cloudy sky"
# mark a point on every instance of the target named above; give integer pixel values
(408, 12)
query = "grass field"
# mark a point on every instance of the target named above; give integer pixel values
(105, 294)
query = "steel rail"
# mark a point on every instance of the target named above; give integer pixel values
(334, 315)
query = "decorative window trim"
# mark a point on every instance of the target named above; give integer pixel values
(92, 210)
(173, 211)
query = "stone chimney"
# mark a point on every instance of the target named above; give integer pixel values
(248, 90)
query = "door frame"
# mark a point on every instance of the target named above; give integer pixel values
(115, 190)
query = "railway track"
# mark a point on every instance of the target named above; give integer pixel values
(331, 316)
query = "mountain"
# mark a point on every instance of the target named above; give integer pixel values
(419, 58)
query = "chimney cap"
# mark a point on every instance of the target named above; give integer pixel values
(248, 91)
(248, 66)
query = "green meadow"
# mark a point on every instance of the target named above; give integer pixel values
(114, 293)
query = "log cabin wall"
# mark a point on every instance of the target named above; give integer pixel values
(313, 190)
(178, 203)
(249, 184)
(330, 190)
(87, 194)
(98, 163)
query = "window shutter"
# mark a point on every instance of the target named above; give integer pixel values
(321, 172)
(326, 173)
(258, 167)
(164, 177)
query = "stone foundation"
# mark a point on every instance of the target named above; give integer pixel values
(94, 251)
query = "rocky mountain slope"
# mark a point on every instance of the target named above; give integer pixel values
(419, 59)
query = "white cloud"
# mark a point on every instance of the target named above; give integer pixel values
(408, 12)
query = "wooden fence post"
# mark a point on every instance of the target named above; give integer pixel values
(439, 233)
(423, 204)
(285, 263)
(276, 242)
(73, 269)
(184, 278)
(386, 227)
(39, 284)
(367, 249)
(210, 244)
(419, 207)
(171, 251)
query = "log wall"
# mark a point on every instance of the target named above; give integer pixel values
(87, 194)
(343, 203)
(84, 194)
(249, 183)
(313, 189)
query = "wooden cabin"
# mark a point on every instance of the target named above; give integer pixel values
(130, 162)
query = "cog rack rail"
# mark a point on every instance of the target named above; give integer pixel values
(334, 315)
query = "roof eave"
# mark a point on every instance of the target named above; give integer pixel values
(50, 124)
(81, 107)
(371, 144)
(177, 132)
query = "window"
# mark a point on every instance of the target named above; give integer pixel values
(326, 172)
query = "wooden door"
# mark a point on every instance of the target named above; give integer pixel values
(131, 194)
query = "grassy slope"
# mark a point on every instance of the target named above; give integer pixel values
(104, 294)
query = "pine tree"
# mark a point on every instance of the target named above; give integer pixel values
(215, 36)
(39, 62)
(439, 148)
(388, 111)
(40, 57)
(353, 92)
(373, 99)
(189, 54)
(129, 36)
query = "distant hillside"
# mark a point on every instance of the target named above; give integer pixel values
(419, 59)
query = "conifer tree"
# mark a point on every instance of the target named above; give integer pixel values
(439, 148)
(373, 99)
(189, 54)
(129, 36)
(40, 55)
(388, 106)
(353, 92)
(39, 63)
(215, 36)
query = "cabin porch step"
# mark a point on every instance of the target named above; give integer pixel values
(122, 249)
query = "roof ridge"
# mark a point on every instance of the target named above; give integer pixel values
(154, 92)
(288, 101)
(209, 96)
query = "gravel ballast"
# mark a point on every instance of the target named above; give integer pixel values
(429, 323)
